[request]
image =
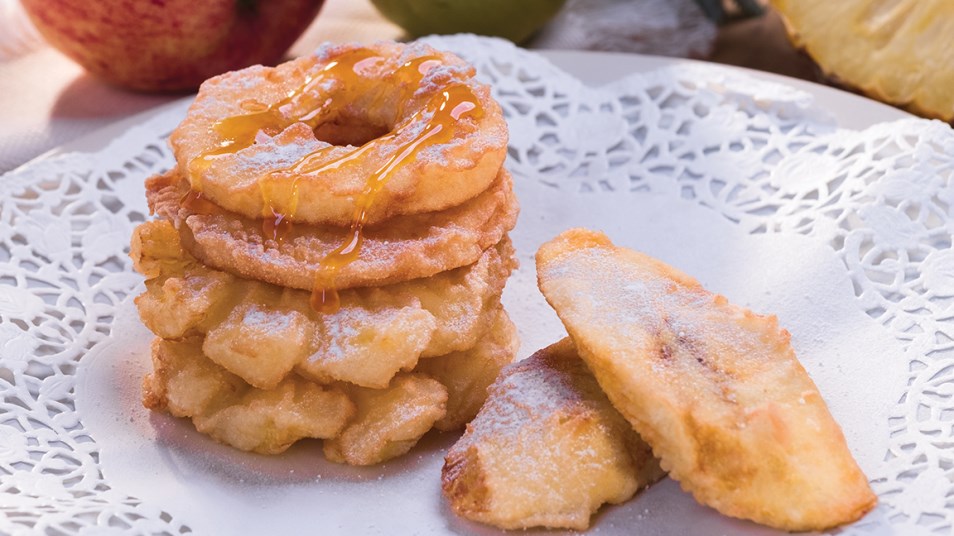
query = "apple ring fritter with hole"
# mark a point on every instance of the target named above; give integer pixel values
(547, 449)
(467, 374)
(186, 384)
(350, 111)
(403, 248)
(715, 389)
(262, 332)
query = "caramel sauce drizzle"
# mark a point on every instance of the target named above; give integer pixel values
(305, 104)
(280, 188)
(196, 203)
(302, 104)
(446, 109)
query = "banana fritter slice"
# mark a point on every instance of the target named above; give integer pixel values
(262, 332)
(715, 389)
(389, 422)
(257, 343)
(467, 374)
(547, 449)
(187, 384)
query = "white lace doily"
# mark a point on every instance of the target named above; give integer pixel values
(846, 235)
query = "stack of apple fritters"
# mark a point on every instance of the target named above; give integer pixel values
(414, 332)
(256, 367)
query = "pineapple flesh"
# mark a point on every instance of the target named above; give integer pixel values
(897, 51)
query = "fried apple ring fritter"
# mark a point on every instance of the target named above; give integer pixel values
(388, 422)
(468, 373)
(186, 384)
(362, 426)
(404, 248)
(715, 389)
(262, 332)
(547, 449)
(306, 138)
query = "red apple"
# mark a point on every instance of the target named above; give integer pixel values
(170, 45)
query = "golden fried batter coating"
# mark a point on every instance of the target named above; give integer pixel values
(390, 421)
(262, 332)
(386, 422)
(468, 373)
(547, 449)
(257, 343)
(382, 104)
(369, 340)
(186, 384)
(375, 171)
(715, 389)
(403, 248)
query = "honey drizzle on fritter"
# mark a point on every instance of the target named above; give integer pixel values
(446, 109)
(304, 105)
(196, 203)
(348, 70)
(300, 105)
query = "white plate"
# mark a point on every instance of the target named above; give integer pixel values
(174, 477)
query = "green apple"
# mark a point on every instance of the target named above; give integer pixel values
(169, 45)
(516, 20)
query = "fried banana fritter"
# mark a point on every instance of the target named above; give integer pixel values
(547, 449)
(715, 389)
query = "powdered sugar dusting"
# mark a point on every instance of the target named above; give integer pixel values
(528, 393)
(382, 99)
(547, 448)
(762, 240)
(645, 307)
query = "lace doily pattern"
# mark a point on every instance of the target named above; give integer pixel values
(766, 159)
(883, 199)
(761, 155)
(690, 131)
(64, 270)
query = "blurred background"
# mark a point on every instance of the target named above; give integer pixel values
(48, 99)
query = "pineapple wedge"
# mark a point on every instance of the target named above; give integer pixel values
(897, 51)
